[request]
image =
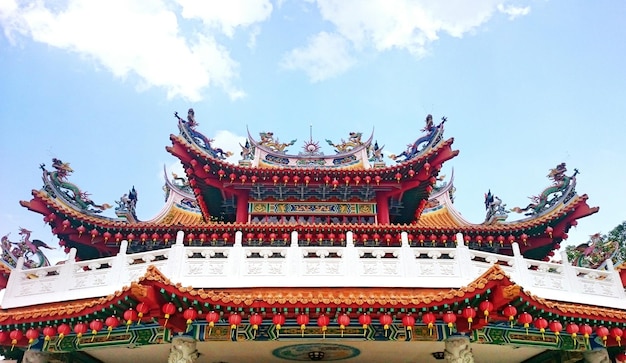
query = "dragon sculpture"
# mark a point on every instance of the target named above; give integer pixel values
(595, 253)
(29, 250)
(267, 139)
(57, 180)
(562, 186)
(188, 128)
(354, 140)
(433, 135)
(247, 150)
(496, 210)
(375, 152)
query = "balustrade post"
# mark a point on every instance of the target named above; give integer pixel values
(570, 274)
(119, 269)
(66, 272)
(294, 256)
(463, 259)
(520, 266)
(236, 257)
(350, 257)
(407, 258)
(176, 258)
(616, 280)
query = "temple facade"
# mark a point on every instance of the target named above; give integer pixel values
(308, 257)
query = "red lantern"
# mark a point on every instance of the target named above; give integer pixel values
(525, 318)
(479, 240)
(429, 320)
(486, 307)
(469, 313)
(368, 179)
(357, 180)
(343, 320)
(66, 223)
(111, 322)
(130, 237)
(81, 229)
(221, 173)
(556, 328)
(202, 237)
(549, 231)
(63, 330)
(212, 317)
(408, 321)
(541, 324)
(620, 357)
(449, 318)
(617, 333)
(255, 321)
(32, 334)
(190, 237)
(94, 233)
(490, 240)
(49, 332)
(15, 336)
(129, 315)
(510, 311)
(225, 236)
(398, 177)
(243, 178)
(385, 320)
(307, 180)
(586, 331)
(4, 335)
(323, 322)
(190, 315)
(166, 238)
(603, 333)
(377, 179)
(501, 240)
(168, 309)
(302, 320)
(347, 180)
(278, 320)
(80, 329)
(572, 329)
(365, 320)
(155, 237)
(95, 326)
(234, 320)
(232, 177)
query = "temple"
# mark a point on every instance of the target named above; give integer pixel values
(307, 256)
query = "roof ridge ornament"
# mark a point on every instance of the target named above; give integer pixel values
(561, 191)
(189, 132)
(434, 134)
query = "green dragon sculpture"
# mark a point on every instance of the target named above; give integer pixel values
(558, 191)
(57, 181)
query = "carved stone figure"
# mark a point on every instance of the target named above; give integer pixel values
(34, 356)
(183, 350)
(458, 350)
(597, 356)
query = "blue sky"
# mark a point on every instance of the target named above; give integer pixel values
(525, 85)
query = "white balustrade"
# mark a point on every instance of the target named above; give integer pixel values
(310, 266)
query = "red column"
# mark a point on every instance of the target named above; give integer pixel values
(382, 208)
(242, 206)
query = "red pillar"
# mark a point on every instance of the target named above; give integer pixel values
(242, 207)
(382, 208)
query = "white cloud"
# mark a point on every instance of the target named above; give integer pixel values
(382, 25)
(135, 38)
(229, 141)
(227, 15)
(325, 56)
(513, 11)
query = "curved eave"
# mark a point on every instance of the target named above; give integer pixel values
(493, 281)
(187, 152)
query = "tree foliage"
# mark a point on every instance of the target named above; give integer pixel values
(599, 248)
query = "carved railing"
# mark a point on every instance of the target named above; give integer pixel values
(310, 266)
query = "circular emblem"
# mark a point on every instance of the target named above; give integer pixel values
(316, 352)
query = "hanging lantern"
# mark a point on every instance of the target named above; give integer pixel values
(190, 315)
(572, 329)
(232, 177)
(444, 239)
(154, 237)
(212, 317)
(278, 320)
(490, 240)
(129, 315)
(202, 237)
(365, 320)
(617, 333)
(525, 318)
(347, 180)
(255, 321)
(385, 320)
(15, 336)
(335, 183)
(556, 328)
(368, 179)
(254, 178)
(549, 231)
(190, 237)
(80, 329)
(307, 180)
(49, 332)
(429, 320)
(66, 223)
(411, 173)
(168, 309)
(63, 330)
(501, 240)
(130, 237)
(377, 179)
(285, 179)
(357, 180)
(111, 322)
(302, 320)
(620, 357)
(586, 331)
(602, 332)
(95, 326)
(94, 233)
(221, 173)
(32, 334)
(275, 179)
(486, 307)
(166, 238)
(469, 313)
(285, 237)
(81, 229)
(408, 321)
(243, 179)
(225, 236)
(343, 320)
(541, 324)
(449, 318)
(142, 308)
(234, 320)
(510, 311)
(398, 177)
(323, 322)
(479, 240)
